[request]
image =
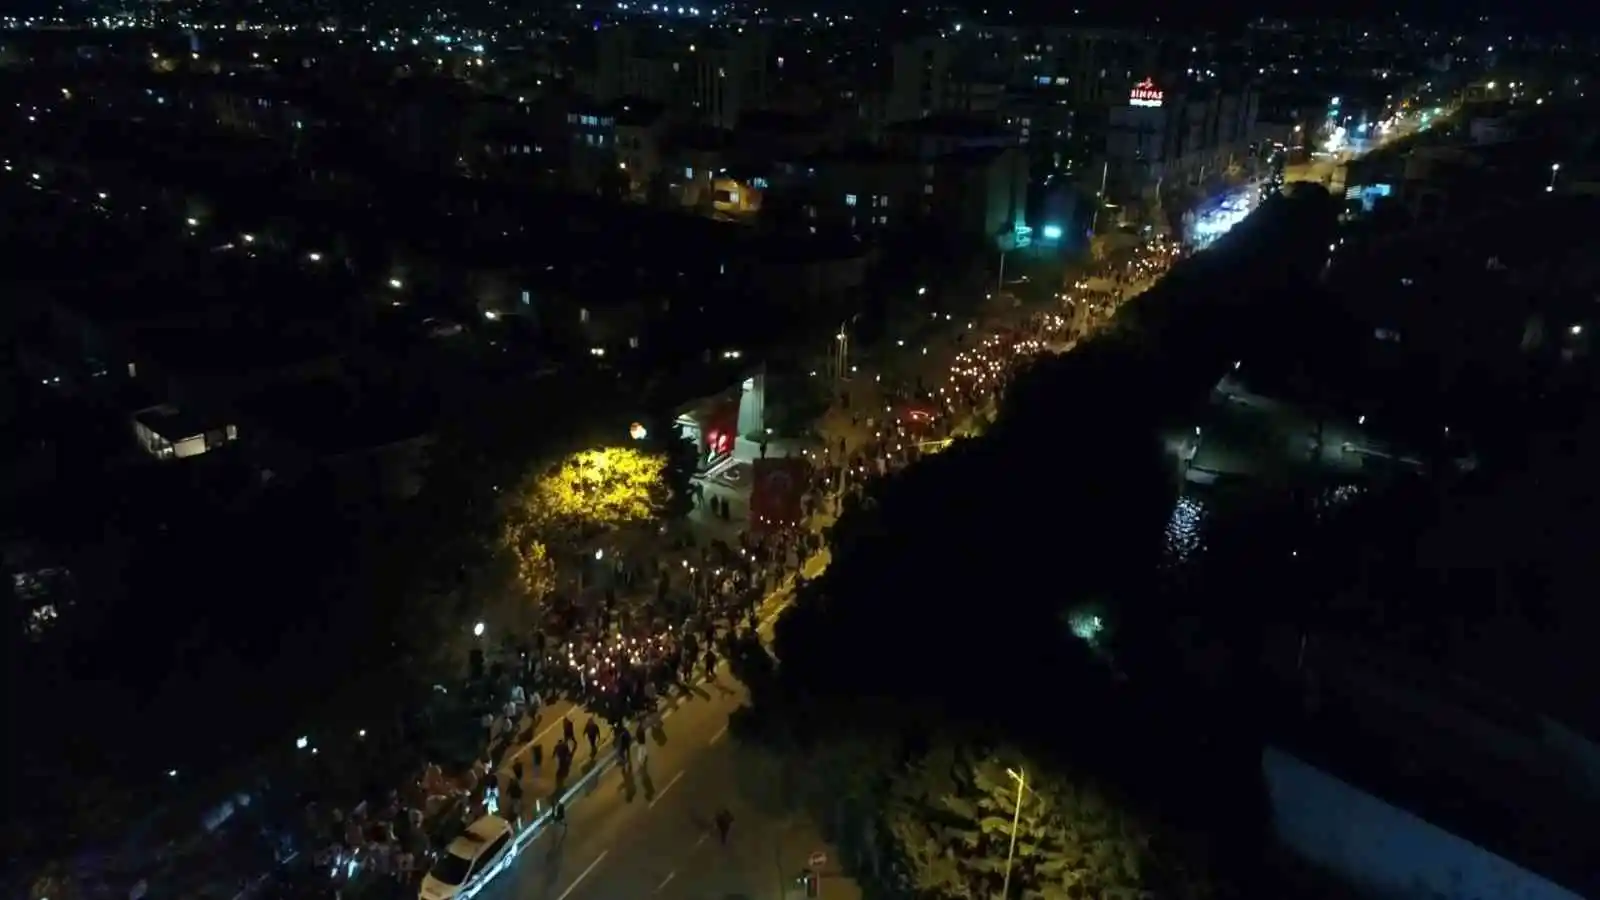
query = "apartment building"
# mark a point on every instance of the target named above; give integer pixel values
(709, 78)
(1157, 139)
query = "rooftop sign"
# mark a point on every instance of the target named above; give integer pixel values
(1145, 93)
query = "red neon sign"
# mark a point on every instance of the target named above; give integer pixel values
(1145, 93)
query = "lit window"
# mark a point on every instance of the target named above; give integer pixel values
(927, 190)
(688, 173)
(883, 202)
(849, 199)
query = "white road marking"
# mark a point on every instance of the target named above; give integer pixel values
(547, 729)
(666, 881)
(718, 736)
(701, 842)
(663, 792)
(582, 875)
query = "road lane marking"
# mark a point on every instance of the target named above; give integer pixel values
(582, 875)
(698, 844)
(547, 729)
(718, 736)
(666, 881)
(663, 792)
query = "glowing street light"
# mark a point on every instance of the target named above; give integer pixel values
(477, 630)
(1021, 778)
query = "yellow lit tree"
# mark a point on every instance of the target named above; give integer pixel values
(597, 490)
(532, 569)
(582, 496)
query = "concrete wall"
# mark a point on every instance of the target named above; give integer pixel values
(1382, 849)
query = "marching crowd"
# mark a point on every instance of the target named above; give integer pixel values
(647, 626)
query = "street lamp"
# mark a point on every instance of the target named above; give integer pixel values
(477, 630)
(1021, 778)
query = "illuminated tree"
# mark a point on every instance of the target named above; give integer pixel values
(532, 569)
(595, 491)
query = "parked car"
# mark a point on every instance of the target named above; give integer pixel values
(471, 860)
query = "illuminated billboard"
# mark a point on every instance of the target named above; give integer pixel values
(1146, 94)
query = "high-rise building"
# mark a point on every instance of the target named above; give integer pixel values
(709, 78)
(920, 79)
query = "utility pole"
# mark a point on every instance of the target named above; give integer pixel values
(842, 354)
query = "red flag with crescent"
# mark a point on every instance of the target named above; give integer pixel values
(777, 492)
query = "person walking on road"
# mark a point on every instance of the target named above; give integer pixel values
(592, 732)
(724, 822)
(567, 733)
(622, 738)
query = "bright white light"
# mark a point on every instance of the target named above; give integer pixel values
(396, 283)
(248, 238)
(302, 742)
(314, 256)
(1052, 232)
(477, 630)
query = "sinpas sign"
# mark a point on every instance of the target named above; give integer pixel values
(1145, 93)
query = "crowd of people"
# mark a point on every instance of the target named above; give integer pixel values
(645, 626)
(643, 629)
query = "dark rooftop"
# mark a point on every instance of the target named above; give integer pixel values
(217, 349)
(635, 112)
(772, 121)
(330, 418)
(949, 125)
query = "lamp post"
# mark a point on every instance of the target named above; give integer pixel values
(1099, 198)
(1021, 778)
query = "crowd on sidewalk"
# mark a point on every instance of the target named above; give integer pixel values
(647, 624)
(602, 664)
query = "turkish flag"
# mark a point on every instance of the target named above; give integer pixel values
(777, 491)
